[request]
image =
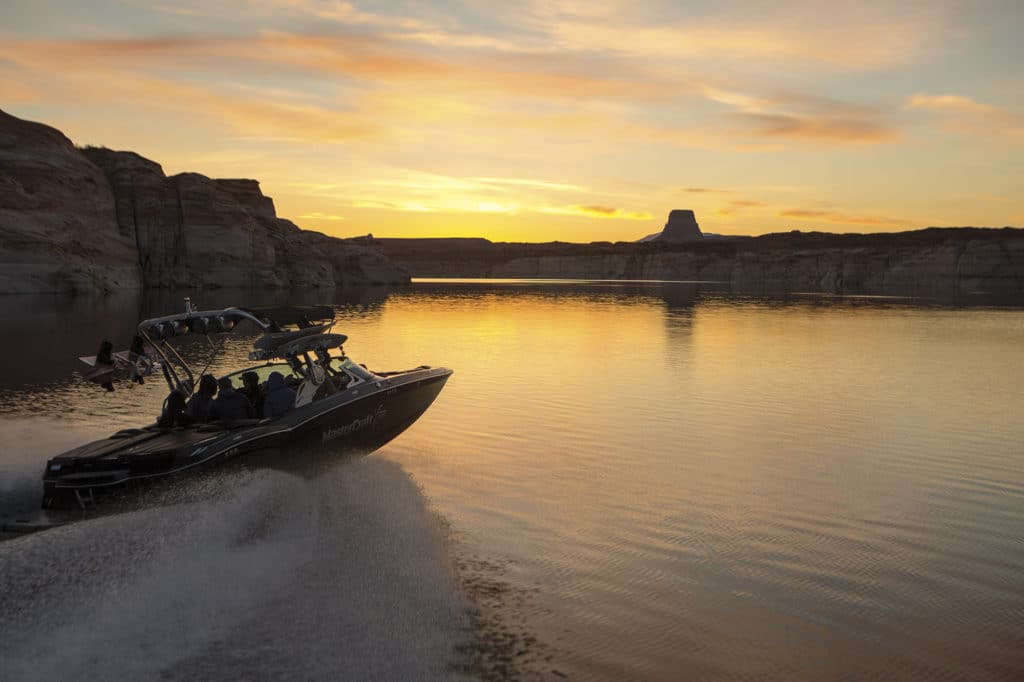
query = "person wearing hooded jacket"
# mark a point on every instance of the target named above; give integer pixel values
(280, 398)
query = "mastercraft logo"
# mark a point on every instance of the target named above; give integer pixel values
(356, 425)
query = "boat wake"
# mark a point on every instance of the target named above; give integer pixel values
(258, 574)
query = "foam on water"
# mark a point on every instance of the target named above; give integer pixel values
(259, 574)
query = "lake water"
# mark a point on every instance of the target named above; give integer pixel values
(669, 482)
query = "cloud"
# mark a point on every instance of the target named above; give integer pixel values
(377, 85)
(948, 103)
(13, 92)
(260, 118)
(373, 59)
(865, 35)
(767, 132)
(799, 117)
(434, 192)
(316, 215)
(250, 115)
(820, 129)
(736, 205)
(707, 190)
(738, 100)
(964, 115)
(835, 217)
(597, 212)
(540, 184)
(347, 13)
(410, 207)
(600, 210)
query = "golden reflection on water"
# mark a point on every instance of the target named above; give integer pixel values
(704, 485)
(722, 486)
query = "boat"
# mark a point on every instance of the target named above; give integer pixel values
(339, 406)
(122, 364)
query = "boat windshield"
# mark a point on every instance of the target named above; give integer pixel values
(356, 370)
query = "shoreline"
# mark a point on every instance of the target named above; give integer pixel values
(954, 260)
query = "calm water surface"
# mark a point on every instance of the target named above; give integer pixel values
(687, 484)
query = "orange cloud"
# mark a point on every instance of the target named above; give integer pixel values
(733, 206)
(252, 116)
(965, 115)
(390, 89)
(316, 215)
(411, 191)
(596, 212)
(834, 217)
(948, 103)
(707, 190)
(848, 35)
(249, 113)
(540, 184)
(823, 129)
(372, 59)
(865, 39)
(13, 92)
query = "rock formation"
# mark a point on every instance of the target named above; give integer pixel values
(681, 227)
(98, 220)
(58, 230)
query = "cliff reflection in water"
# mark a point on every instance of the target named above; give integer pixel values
(686, 483)
(47, 334)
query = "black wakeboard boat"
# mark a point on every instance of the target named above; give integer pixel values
(338, 405)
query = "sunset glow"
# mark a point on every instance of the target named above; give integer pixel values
(549, 119)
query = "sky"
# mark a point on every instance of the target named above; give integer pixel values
(542, 120)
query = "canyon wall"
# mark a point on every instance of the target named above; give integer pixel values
(932, 261)
(58, 229)
(96, 220)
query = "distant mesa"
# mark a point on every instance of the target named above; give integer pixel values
(681, 227)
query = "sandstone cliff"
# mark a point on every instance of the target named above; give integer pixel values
(57, 225)
(935, 261)
(99, 220)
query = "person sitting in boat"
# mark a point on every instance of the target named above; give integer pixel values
(251, 389)
(137, 359)
(280, 398)
(200, 406)
(105, 362)
(230, 405)
(173, 413)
